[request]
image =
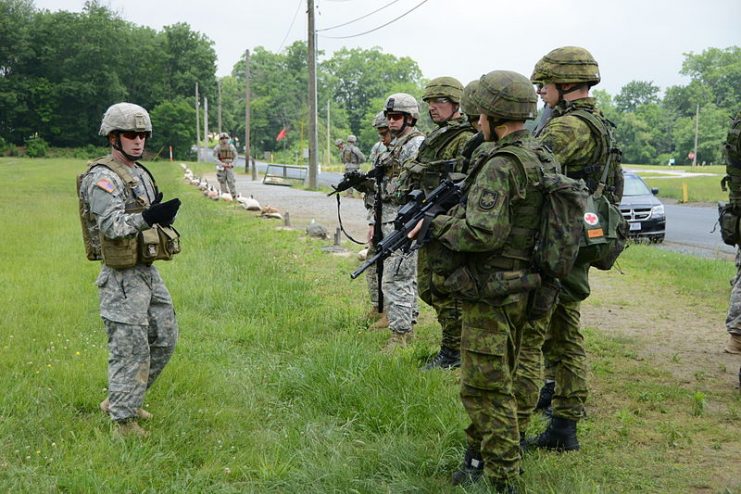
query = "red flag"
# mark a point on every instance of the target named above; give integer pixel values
(282, 134)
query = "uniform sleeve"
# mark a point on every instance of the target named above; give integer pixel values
(105, 192)
(361, 156)
(569, 139)
(236, 154)
(216, 151)
(484, 223)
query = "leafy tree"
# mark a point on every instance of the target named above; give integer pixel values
(720, 71)
(635, 94)
(713, 127)
(173, 125)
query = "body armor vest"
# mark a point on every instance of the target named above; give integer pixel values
(226, 154)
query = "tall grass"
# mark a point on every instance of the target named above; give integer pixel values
(276, 386)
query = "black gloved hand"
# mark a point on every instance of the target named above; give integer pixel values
(162, 214)
(158, 198)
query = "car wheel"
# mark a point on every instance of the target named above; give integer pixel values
(657, 239)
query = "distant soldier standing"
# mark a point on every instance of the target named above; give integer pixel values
(125, 225)
(581, 140)
(733, 171)
(226, 155)
(495, 228)
(399, 270)
(351, 154)
(427, 171)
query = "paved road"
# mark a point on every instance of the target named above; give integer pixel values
(688, 229)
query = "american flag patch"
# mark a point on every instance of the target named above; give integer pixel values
(105, 184)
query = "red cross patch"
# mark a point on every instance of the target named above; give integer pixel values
(591, 219)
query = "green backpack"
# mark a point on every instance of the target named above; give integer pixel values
(733, 143)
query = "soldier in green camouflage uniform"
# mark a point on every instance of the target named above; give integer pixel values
(494, 230)
(443, 95)
(135, 305)
(400, 269)
(581, 140)
(733, 171)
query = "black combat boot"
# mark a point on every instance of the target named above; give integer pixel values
(546, 395)
(472, 469)
(445, 359)
(560, 436)
(503, 487)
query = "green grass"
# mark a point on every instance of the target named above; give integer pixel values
(699, 188)
(276, 386)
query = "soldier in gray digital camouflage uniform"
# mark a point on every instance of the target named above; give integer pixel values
(399, 270)
(126, 226)
(226, 156)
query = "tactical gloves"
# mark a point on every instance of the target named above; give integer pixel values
(162, 213)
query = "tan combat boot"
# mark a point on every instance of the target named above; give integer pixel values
(734, 344)
(398, 340)
(105, 407)
(381, 323)
(130, 428)
(373, 314)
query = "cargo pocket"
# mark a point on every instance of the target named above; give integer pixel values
(485, 359)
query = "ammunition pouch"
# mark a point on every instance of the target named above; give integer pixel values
(462, 284)
(729, 224)
(159, 243)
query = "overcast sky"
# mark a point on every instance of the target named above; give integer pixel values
(631, 39)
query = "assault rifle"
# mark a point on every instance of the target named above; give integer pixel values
(352, 179)
(419, 207)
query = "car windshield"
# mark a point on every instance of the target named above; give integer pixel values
(634, 186)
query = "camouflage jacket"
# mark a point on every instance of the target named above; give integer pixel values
(444, 143)
(582, 145)
(352, 154)
(499, 217)
(732, 151)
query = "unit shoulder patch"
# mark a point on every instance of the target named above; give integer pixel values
(488, 200)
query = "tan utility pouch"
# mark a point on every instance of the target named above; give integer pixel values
(120, 253)
(159, 243)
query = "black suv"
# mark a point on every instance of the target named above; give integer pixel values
(644, 212)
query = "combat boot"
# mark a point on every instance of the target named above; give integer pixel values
(445, 359)
(471, 470)
(382, 323)
(559, 436)
(398, 340)
(130, 428)
(734, 344)
(546, 395)
(503, 487)
(373, 314)
(105, 407)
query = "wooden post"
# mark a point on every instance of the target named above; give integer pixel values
(247, 116)
(198, 125)
(697, 128)
(218, 85)
(312, 98)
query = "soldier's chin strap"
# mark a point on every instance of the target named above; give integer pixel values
(117, 146)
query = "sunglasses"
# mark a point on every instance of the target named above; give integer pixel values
(394, 116)
(131, 135)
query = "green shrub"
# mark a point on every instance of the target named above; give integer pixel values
(36, 147)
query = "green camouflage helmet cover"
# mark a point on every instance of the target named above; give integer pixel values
(380, 121)
(444, 87)
(467, 104)
(568, 64)
(125, 116)
(506, 95)
(402, 103)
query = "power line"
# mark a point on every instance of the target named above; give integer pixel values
(382, 25)
(359, 18)
(298, 7)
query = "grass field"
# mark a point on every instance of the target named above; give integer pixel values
(276, 385)
(700, 188)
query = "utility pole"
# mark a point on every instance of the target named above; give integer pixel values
(205, 121)
(218, 85)
(198, 125)
(329, 138)
(312, 98)
(247, 115)
(697, 128)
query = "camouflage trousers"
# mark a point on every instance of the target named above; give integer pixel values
(489, 351)
(142, 332)
(733, 318)
(227, 181)
(400, 287)
(448, 309)
(529, 375)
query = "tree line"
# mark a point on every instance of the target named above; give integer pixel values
(59, 71)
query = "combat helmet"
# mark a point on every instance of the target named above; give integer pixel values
(444, 87)
(402, 103)
(351, 139)
(506, 95)
(467, 103)
(125, 117)
(379, 121)
(568, 64)
(337, 142)
(224, 135)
